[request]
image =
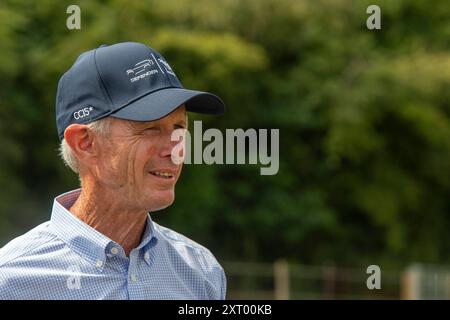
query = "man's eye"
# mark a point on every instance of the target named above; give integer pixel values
(150, 129)
(179, 126)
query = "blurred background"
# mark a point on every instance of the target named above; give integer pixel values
(364, 119)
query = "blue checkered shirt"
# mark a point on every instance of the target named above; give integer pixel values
(64, 258)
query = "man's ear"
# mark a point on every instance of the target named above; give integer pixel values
(80, 140)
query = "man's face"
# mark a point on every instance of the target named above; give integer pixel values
(135, 161)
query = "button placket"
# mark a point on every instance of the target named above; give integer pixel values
(133, 276)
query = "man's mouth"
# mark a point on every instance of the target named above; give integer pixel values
(162, 174)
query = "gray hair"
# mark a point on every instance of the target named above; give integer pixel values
(101, 127)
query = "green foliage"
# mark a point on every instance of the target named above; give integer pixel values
(364, 119)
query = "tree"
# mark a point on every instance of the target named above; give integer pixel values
(363, 118)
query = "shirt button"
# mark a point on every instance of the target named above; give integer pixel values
(146, 256)
(134, 278)
(99, 263)
(114, 250)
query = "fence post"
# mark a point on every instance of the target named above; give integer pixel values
(329, 279)
(410, 289)
(281, 279)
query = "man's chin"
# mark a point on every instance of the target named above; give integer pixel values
(162, 201)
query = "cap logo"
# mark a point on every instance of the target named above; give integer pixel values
(139, 68)
(80, 114)
(167, 67)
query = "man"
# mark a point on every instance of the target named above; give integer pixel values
(116, 110)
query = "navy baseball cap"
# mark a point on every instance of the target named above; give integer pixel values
(126, 80)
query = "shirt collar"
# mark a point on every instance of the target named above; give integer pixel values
(82, 238)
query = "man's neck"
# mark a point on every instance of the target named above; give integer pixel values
(107, 216)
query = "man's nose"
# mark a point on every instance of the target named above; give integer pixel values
(167, 145)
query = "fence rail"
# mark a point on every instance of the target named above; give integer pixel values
(282, 280)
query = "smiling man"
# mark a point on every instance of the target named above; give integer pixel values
(116, 109)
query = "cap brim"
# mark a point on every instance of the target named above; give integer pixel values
(160, 103)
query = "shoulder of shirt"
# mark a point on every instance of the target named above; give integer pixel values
(212, 269)
(26, 243)
(173, 236)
